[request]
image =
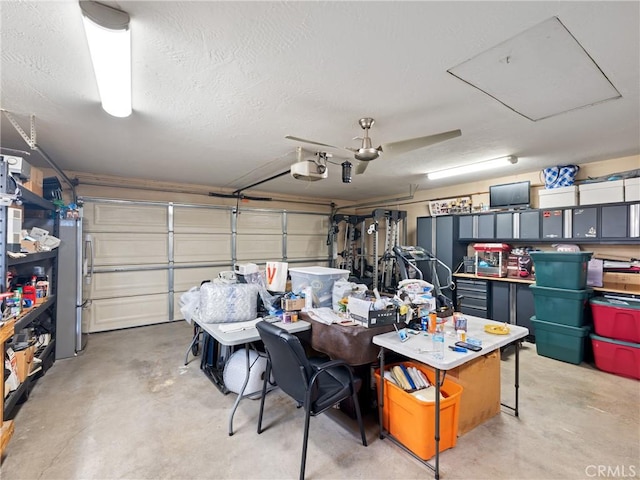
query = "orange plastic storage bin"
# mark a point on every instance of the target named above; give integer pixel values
(412, 421)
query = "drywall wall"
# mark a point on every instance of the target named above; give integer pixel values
(479, 191)
(125, 188)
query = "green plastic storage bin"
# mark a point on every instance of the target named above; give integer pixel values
(561, 269)
(560, 305)
(560, 342)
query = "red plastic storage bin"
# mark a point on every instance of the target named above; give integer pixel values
(616, 319)
(614, 356)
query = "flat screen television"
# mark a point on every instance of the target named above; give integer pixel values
(510, 195)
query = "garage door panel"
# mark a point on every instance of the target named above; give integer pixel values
(259, 223)
(307, 246)
(258, 247)
(129, 248)
(201, 220)
(201, 248)
(118, 217)
(126, 284)
(177, 314)
(185, 278)
(309, 264)
(114, 313)
(299, 223)
(136, 272)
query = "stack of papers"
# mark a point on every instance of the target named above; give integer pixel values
(324, 315)
(238, 326)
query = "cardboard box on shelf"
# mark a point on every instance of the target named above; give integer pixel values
(558, 197)
(29, 246)
(621, 281)
(632, 189)
(601, 192)
(24, 360)
(34, 184)
(292, 304)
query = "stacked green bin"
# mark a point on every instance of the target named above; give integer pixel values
(561, 297)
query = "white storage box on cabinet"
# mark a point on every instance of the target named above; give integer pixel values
(632, 189)
(601, 192)
(558, 197)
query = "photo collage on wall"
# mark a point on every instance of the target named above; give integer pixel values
(450, 206)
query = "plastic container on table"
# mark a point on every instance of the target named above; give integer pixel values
(320, 279)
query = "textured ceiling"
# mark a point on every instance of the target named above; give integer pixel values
(218, 85)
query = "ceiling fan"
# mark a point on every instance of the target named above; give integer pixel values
(367, 153)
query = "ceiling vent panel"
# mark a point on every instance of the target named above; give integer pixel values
(539, 73)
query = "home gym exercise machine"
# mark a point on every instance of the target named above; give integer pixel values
(416, 262)
(360, 231)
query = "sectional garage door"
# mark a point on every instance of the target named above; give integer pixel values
(144, 255)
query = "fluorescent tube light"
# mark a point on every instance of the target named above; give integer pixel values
(474, 167)
(109, 39)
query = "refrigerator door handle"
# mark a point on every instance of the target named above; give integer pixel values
(87, 264)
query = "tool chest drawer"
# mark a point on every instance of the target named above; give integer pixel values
(472, 297)
(469, 286)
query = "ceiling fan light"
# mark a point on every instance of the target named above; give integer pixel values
(109, 39)
(472, 168)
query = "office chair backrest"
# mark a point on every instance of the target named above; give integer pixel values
(289, 364)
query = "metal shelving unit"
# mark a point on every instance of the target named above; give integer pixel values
(42, 316)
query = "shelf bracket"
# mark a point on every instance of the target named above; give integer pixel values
(31, 141)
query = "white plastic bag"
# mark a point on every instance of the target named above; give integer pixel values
(344, 288)
(189, 303)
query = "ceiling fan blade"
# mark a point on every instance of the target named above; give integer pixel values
(403, 146)
(361, 167)
(298, 139)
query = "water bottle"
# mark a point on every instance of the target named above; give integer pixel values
(438, 345)
(308, 299)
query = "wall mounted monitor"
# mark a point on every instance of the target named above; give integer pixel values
(510, 195)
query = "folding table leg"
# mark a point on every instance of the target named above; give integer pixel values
(241, 392)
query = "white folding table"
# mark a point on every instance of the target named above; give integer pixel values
(239, 337)
(419, 348)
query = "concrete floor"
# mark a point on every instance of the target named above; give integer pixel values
(129, 409)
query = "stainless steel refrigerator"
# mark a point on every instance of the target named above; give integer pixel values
(69, 337)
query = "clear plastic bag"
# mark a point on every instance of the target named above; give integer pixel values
(226, 303)
(189, 303)
(269, 301)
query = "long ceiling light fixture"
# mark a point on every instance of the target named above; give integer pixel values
(474, 167)
(109, 39)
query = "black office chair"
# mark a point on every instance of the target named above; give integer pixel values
(315, 385)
